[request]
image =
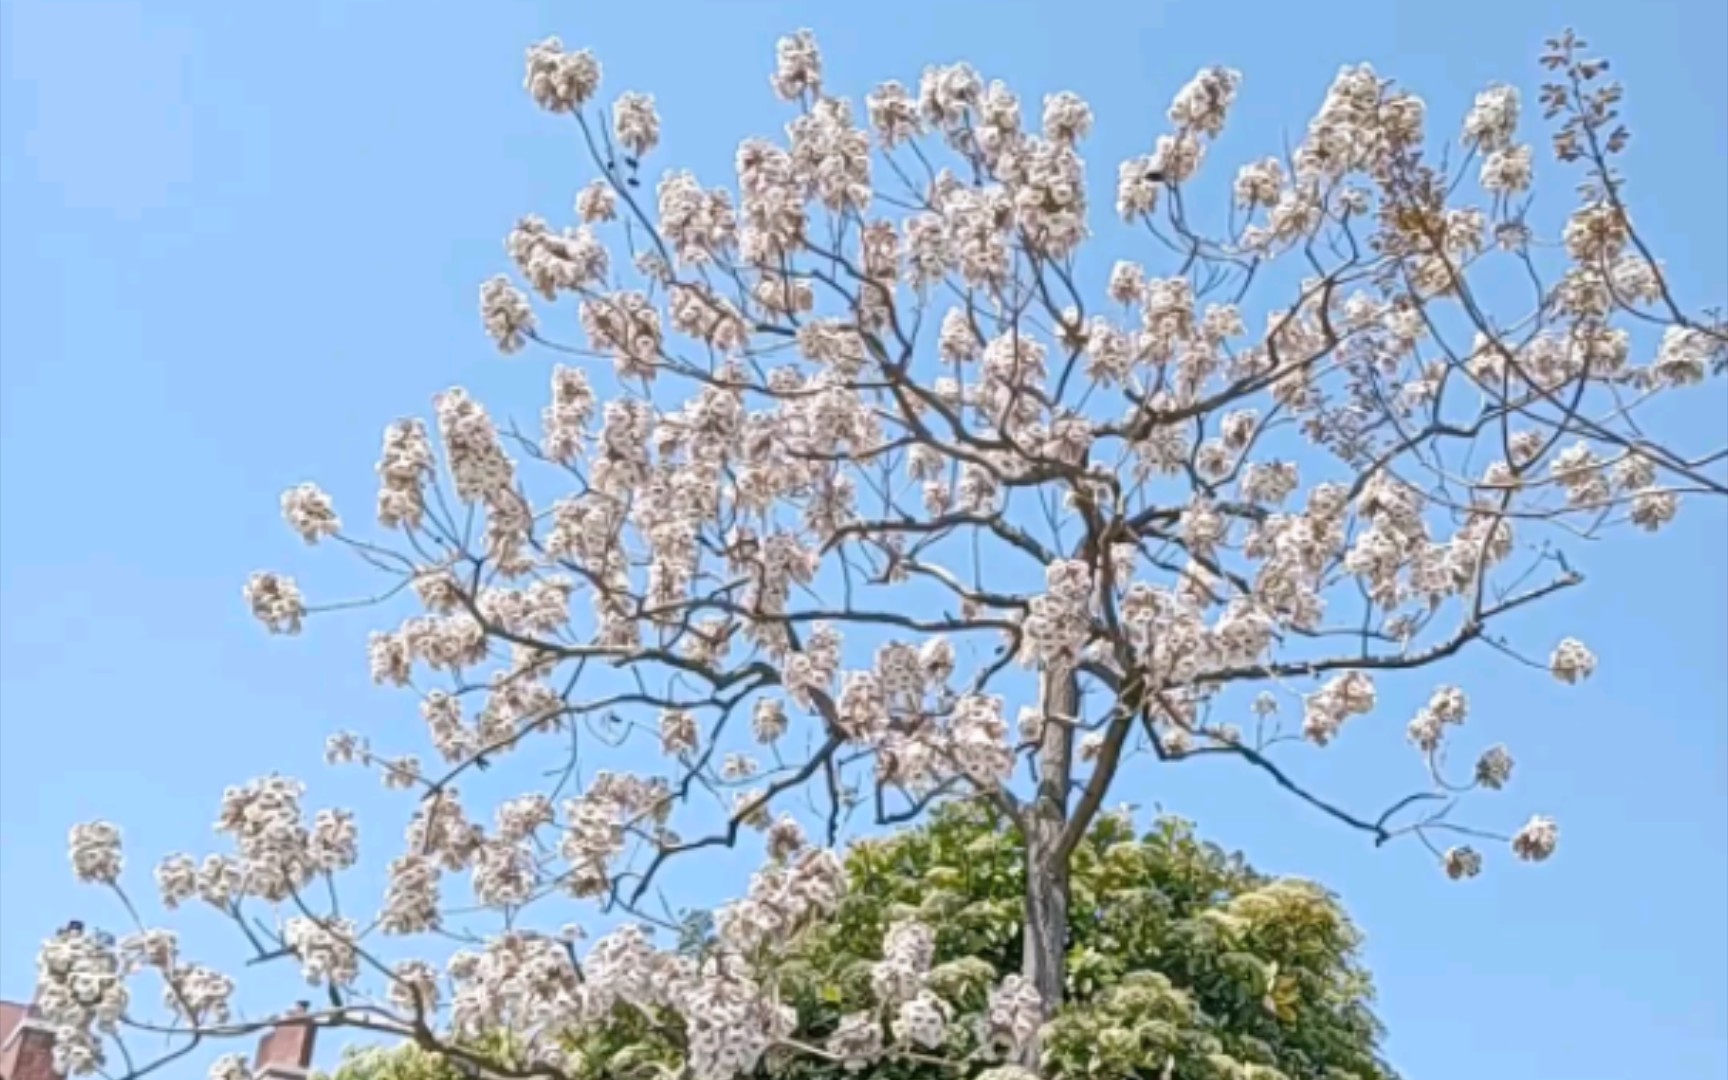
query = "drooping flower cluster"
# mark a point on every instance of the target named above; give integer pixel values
(326, 949)
(1012, 1017)
(265, 821)
(230, 1067)
(508, 317)
(1324, 712)
(524, 983)
(856, 1041)
(81, 991)
(635, 123)
(308, 510)
(95, 850)
(1571, 662)
(907, 952)
(1462, 862)
(404, 466)
(1058, 622)
(782, 899)
(552, 263)
(797, 66)
(411, 901)
(1494, 768)
(275, 601)
(1536, 840)
(979, 737)
(561, 81)
(1447, 706)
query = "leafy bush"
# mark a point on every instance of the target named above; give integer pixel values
(1183, 964)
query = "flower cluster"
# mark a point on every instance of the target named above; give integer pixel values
(635, 123)
(552, 263)
(506, 313)
(899, 977)
(326, 948)
(856, 1041)
(1571, 662)
(1447, 706)
(95, 850)
(275, 601)
(797, 66)
(1536, 840)
(81, 991)
(230, 1067)
(561, 81)
(404, 466)
(1461, 862)
(1494, 768)
(1012, 1017)
(1324, 712)
(782, 899)
(309, 512)
(1058, 622)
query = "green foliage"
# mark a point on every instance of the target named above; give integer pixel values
(1183, 963)
(404, 1062)
(1175, 949)
(407, 1061)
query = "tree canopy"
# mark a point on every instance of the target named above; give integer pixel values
(867, 486)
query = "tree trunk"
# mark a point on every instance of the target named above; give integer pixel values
(1046, 952)
(1044, 962)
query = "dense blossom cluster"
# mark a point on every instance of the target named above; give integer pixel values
(1325, 711)
(1571, 661)
(781, 899)
(275, 601)
(1537, 839)
(1494, 768)
(561, 81)
(309, 512)
(1012, 1017)
(95, 851)
(1447, 706)
(1058, 622)
(851, 460)
(81, 991)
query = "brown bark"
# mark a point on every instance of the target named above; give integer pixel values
(1044, 962)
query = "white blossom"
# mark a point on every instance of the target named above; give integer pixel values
(275, 601)
(1462, 862)
(95, 852)
(309, 512)
(1204, 103)
(561, 81)
(1571, 662)
(596, 203)
(1536, 840)
(635, 123)
(922, 1021)
(1494, 768)
(797, 66)
(1683, 356)
(230, 1067)
(1493, 119)
(856, 1041)
(508, 318)
(325, 948)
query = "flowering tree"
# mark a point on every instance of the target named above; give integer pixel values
(1183, 954)
(857, 498)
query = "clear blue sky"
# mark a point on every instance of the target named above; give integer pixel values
(240, 238)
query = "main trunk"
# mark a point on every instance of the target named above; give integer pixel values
(1046, 954)
(1044, 962)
